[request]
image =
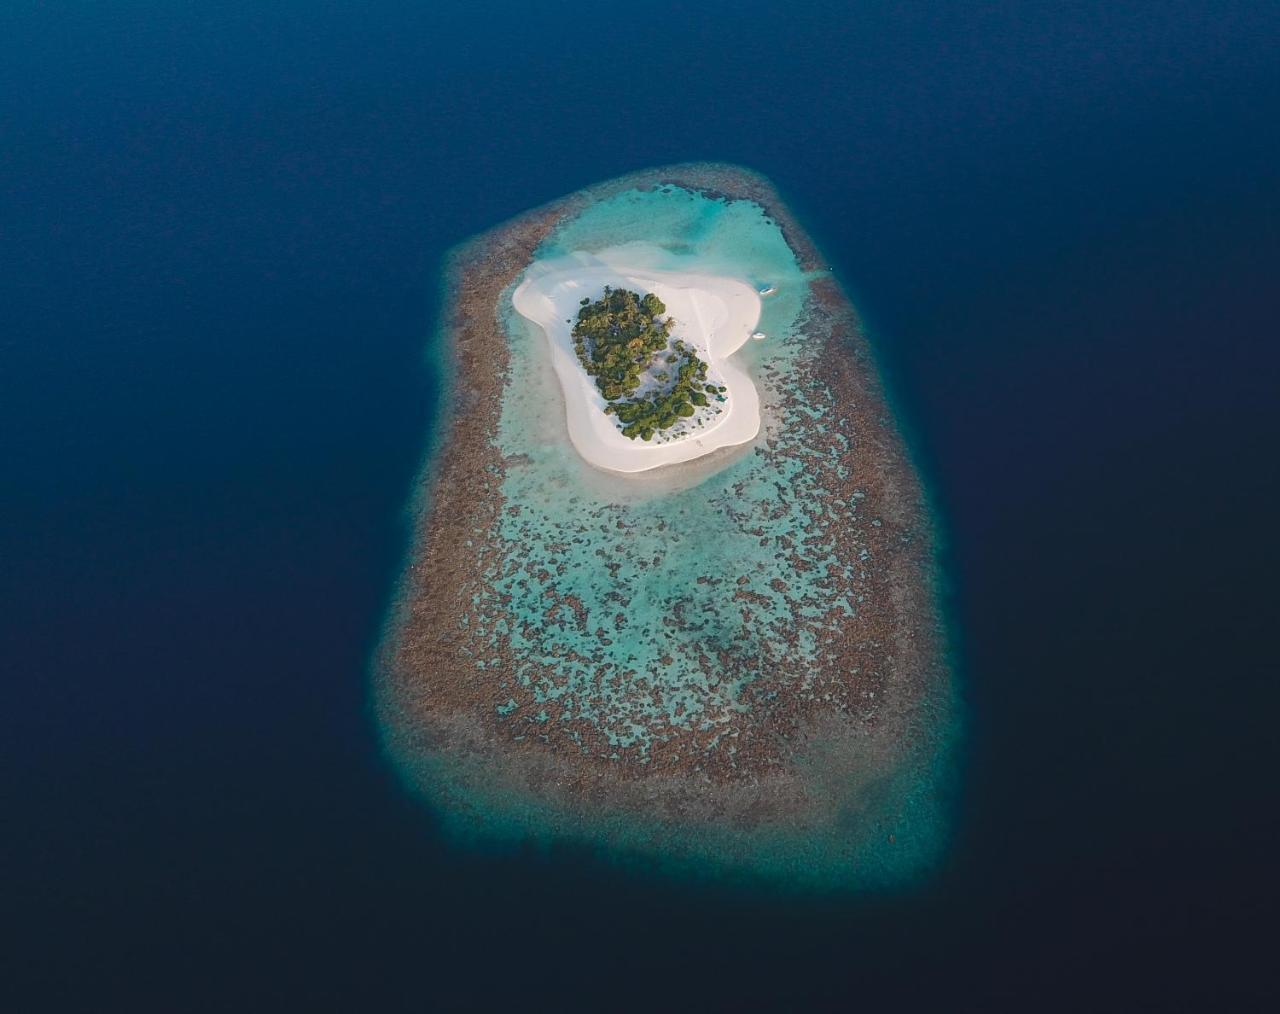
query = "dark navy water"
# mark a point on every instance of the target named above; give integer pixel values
(220, 232)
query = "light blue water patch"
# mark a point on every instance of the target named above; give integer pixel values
(695, 232)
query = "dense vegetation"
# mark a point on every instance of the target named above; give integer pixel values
(620, 336)
(617, 336)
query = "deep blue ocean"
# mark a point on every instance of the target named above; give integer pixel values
(221, 232)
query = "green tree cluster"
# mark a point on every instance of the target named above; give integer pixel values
(616, 338)
(643, 417)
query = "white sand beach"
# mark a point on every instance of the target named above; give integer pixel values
(713, 313)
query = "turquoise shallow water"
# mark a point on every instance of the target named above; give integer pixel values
(656, 619)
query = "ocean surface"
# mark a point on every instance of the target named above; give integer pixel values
(221, 234)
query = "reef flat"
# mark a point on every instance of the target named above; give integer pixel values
(736, 663)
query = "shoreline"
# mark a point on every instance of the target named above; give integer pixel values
(438, 719)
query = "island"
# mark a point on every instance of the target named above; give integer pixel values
(639, 396)
(671, 594)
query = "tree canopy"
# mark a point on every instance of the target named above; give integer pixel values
(617, 336)
(622, 335)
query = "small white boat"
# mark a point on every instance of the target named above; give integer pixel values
(768, 290)
(757, 335)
